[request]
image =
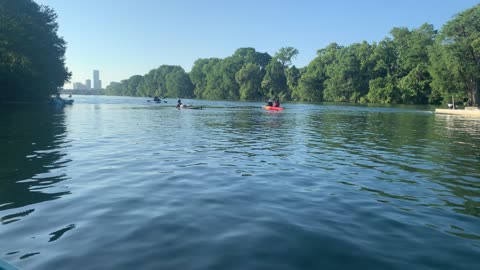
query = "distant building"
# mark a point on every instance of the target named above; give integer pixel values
(97, 84)
(88, 84)
(78, 86)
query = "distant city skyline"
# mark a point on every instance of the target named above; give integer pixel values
(97, 83)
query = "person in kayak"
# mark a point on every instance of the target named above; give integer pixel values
(179, 104)
(270, 102)
(276, 103)
(156, 99)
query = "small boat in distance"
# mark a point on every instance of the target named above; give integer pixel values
(271, 108)
(58, 101)
(191, 107)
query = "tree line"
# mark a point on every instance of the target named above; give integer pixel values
(413, 66)
(32, 56)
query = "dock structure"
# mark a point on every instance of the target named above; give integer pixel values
(471, 111)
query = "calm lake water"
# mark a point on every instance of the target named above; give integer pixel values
(122, 183)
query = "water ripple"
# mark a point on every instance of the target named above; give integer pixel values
(137, 185)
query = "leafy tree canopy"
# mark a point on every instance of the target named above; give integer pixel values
(32, 55)
(411, 66)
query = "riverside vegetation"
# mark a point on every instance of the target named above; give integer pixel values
(32, 55)
(418, 66)
(413, 66)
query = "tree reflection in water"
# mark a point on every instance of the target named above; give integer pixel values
(31, 142)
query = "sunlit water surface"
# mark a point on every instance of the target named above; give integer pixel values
(122, 183)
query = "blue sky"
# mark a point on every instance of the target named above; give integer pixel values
(122, 38)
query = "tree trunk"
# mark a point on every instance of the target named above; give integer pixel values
(476, 98)
(472, 93)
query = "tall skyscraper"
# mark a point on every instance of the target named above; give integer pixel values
(88, 84)
(96, 80)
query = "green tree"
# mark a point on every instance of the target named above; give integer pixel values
(346, 81)
(311, 83)
(178, 84)
(310, 88)
(161, 78)
(214, 78)
(149, 86)
(32, 56)
(285, 55)
(132, 85)
(201, 75)
(382, 90)
(198, 76)
(459, 56)
(274, 82)
(249, 77)
(252, 70)
(444, 82)
(117, 89)
(229, 86)
(364, 53)
(249, 55)
(292, 75)
(220, 78)
(412, 48)
(383, 84)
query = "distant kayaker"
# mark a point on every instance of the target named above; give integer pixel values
(179, 104)
(270, 102)
(276, 103)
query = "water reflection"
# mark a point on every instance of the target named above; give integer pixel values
(155, 183)
(31, 140)
(461, 169)
(251, 132)
(57, 234)
(394, 156)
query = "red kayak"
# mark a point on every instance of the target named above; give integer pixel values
(271, 108)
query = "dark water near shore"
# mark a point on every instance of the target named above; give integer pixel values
(120, 183)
